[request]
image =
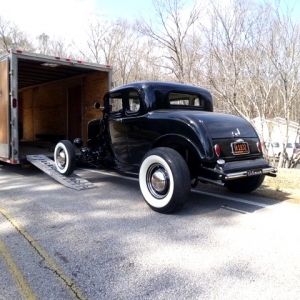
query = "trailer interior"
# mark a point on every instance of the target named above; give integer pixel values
(55, 102)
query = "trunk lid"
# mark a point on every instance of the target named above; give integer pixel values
(220, 126)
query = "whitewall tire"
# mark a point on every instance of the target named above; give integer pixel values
(164, 180)
(64, 157)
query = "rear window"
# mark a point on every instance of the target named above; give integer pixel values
(182, 100)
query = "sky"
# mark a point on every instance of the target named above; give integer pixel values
(66, 18)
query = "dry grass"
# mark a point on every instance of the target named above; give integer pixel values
(284, 187)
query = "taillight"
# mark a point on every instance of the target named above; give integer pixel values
(217, 150)
(259, 147)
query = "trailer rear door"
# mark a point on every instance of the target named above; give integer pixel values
(4, 108)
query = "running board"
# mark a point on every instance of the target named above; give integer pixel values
(47, 165)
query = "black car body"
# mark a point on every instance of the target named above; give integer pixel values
(162, 131)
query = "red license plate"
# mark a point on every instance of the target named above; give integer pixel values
(239, 148)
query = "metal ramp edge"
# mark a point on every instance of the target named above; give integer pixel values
(47, 165)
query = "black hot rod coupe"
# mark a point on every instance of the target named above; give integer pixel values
(168, 135)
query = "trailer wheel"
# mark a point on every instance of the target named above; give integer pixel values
(164, 180)
(64, 157)
(245, 185)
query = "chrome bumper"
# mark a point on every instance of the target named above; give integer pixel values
(266, 171)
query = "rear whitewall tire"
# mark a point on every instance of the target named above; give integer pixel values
(144, 185)
(169, 192)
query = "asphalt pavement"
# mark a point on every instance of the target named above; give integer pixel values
(106, 243)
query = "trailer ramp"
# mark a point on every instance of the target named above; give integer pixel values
(47, 165)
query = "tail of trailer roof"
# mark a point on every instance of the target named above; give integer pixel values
(44, 99)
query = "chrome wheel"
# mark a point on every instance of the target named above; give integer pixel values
(61, 159)
(158, 181)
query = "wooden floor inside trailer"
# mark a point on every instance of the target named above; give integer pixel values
(36, 147)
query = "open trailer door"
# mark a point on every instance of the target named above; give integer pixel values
(4, 109)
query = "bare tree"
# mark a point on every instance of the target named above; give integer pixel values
(284, 53)
(55, 46)
(43, 43)
(104, 43)
(253, 60)
(146, 65)
(11, 37)
(230, 42)
(172, 28)
(117, 44)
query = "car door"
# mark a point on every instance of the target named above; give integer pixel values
(138, 139)
(115, 106)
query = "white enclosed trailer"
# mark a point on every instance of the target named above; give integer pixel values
(44, 99)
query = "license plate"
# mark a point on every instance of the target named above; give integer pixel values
(239, 148)
(254, 172)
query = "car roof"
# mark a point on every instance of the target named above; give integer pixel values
(163, 85)
(164, 88)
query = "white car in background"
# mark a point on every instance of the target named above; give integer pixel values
(292, 149)
(274, 149)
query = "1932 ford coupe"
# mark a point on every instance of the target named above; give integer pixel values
(169, 136)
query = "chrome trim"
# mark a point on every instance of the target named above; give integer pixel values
(237, 133)
(244, 173)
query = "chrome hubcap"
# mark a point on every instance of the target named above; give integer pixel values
(157, 181)
(61, 159)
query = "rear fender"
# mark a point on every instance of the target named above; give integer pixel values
(169, 139)
(188, 150)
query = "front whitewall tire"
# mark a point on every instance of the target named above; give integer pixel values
(65, 157)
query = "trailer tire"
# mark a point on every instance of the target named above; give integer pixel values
(65, 157)
(164, 180)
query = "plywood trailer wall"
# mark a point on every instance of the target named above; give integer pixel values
(46, 111)
(95, 86)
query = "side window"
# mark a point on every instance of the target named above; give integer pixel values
(126, 100)
(115, 104)
(134, 101)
